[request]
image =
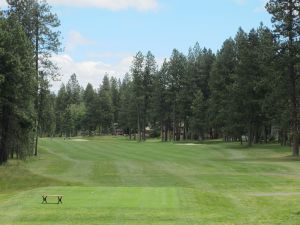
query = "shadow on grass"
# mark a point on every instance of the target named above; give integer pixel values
(262, 159)
(51, 203)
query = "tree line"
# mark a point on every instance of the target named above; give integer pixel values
(239, 91)
(244, 92)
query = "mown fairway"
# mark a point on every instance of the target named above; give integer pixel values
(114, 181)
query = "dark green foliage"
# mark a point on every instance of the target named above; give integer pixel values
(104, 107)
(286, 20)
(199, 109)
(115, 98)
(16, 91)
(60, 106)
(70, 109)
(128, 112)
(89, 98)
(220, 82)
(40, 26)
(73, 90)
(161, 102)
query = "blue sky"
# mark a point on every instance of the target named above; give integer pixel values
(101, 36)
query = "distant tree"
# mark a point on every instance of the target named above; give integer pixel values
(73, 90)
(60, 107)
(115, 98)
(137, 71)
(199, 64)
(199, 110)
(176, 70)
(105, 107)
(90, 101)
(128, 111)
(150, 71)
(161, 101)
(77, 113)
(47, 112)
(219, 84)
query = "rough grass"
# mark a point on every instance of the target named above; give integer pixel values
(115, 181)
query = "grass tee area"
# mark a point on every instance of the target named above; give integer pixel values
(115, 181)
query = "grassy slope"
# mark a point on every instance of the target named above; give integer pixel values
(113, 181)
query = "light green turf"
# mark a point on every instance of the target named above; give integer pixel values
(114, 181)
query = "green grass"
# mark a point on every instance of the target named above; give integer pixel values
(114, 181)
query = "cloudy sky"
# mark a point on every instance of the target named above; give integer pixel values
(101, 36)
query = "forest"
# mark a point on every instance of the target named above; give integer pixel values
(247, 91)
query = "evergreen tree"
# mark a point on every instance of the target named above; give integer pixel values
(16, 90)
(115, 98)
(137, 71)
(73, 90)
(286, 20)
(60, 107)
(40, 26)
(176, 70)
(128, 112)
(90, 120)
(105, 107)
(149, 72)
(199, 110)
(220, 82)
(161, 101)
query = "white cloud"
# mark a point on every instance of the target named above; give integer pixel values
(3, 3)
(142, 5)
(93, 71)
(89, 71)
(75, 39)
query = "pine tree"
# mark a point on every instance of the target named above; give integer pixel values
(90, 120)
(137, 71)
(219, 84)
(105, 107)
(115, 98)
(128, 112)
(40, 26)
(60, 107)
(286, 20)
(176, 70)
(16, 90)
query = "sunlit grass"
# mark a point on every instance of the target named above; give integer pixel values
(110, 180)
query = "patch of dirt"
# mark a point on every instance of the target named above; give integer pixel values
(188, 144)
(79, 140)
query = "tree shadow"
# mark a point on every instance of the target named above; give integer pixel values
(51, 203)
(262, 159)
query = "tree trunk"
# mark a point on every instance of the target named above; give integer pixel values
(4, 135)
(294, 109)
(162, 131)
(139, 123)
(166, 132)
(292, 88)
(265, 134)
(37, 79)
(250, 136)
